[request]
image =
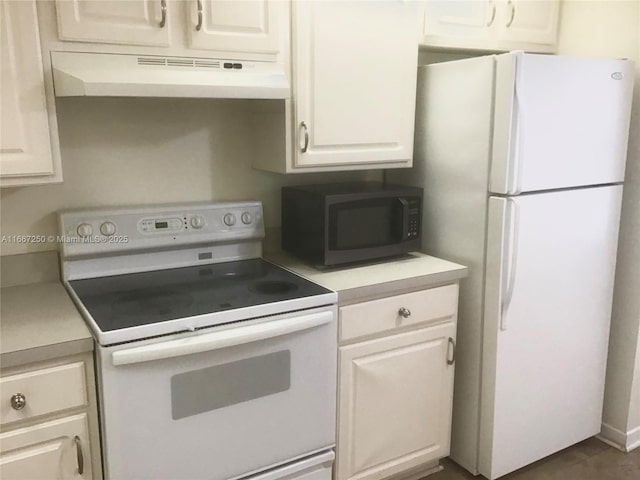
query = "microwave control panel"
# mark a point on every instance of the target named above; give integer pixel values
(413, 230)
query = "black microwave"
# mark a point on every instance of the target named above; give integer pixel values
(341, 223)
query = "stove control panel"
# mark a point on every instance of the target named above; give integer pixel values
(102, 231)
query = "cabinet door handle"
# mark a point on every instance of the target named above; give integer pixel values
(18, 401)
(493, 14)
(513, 13)
(199, 25)
(404, 312)
(451, 345)
(304, 148)
(79, 455)
(163, 9)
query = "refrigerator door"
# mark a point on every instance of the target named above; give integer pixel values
(549, 283)
(559, 122)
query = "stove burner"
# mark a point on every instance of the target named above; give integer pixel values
(273, 287)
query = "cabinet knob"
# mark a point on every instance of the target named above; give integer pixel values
(18, 401)
(404, 312)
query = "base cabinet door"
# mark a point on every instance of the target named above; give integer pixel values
(394, 402)
(55, 450)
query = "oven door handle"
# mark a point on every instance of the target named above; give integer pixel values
(220, 339)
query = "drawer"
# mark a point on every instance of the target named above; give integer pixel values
(383, 315)
(46, 391)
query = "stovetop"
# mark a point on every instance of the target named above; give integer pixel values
(138, 299)
(141, 272)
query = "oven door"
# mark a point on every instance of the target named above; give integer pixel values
(222, 402)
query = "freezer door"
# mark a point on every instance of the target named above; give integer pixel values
(549, 285)
(559, 122)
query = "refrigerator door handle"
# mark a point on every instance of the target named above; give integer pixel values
(515, 181)
(513, 212)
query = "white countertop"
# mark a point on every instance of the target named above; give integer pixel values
(38, 322)
(356, 283)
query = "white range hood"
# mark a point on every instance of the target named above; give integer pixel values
(111, 75)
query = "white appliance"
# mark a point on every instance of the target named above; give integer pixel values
(522, 160)
(114, 75)
(212, 363)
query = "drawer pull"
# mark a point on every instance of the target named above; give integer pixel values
(163, 9)
(18, 401)
(404, 312)
(199, 25)
(452, 344)
(79, 455)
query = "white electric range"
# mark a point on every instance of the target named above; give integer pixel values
(212, 363)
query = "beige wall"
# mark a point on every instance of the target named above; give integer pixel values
(612, 29)
(122, 151)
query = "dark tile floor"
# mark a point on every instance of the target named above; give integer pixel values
(588, 460)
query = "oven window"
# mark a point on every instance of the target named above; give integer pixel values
(365, 224)
(223, 385)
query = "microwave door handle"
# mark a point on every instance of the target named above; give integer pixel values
(405, 218)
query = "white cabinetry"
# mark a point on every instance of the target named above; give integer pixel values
(529, 25)
(49, 421)
(354, 82)
(247, 29)
(233, 26)
(134, 22)
(396, 363)
(29, 151)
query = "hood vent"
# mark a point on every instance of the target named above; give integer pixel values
(105, 75)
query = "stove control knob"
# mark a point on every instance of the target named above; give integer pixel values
(108, 228)
(197, 222)
(84, 230)
(246, 218)
(229, 219)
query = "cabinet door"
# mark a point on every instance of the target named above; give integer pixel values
(246, 26)
(355, 82)
(131, 22)
(54, 450)
(395, 402)
(528, 22)
(460, 23)
(25, 144)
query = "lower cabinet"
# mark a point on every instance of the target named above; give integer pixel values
(52, 450)
(396, 389)
(48, 421)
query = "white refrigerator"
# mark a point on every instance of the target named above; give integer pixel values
(522, 160)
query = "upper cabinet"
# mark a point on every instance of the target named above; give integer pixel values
(354, 70)
(29, 151)
(134, 22)
(529, 25)
(240, 29)
(235, 26)
(355, 82)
